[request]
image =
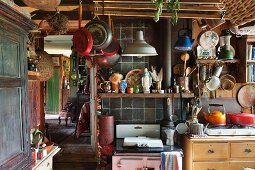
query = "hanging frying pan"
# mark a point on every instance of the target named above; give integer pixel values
(82, 41)
(246, 96)
(101, 34)
(112, 49)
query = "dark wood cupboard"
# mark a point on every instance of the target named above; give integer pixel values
(36, 105)
(14, 122)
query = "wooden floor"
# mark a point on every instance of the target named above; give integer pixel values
(75, 154)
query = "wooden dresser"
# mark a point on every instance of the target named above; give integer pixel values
(219, 152)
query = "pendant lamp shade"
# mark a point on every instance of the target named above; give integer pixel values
(139, 47)
(184, 43)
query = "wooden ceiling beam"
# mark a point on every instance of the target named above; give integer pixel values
(201, 2)
(164, 15)
(108, 6)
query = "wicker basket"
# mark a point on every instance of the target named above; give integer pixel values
(240, 11)
(45, 66)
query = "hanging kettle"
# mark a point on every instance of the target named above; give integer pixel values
(184, 43)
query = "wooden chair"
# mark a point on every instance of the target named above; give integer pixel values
(68, 111)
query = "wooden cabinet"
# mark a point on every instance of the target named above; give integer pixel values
(36, 111)
(219, 153)
(46, 163)
(247, 65)
(14, 121)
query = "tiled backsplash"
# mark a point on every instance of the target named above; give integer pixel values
(133, 110)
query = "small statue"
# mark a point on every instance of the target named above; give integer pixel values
(146, 81)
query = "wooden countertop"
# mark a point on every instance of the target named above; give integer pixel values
(221, 138)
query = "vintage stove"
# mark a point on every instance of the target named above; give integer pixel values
(138, 138)
(230, 130)
(138, 146)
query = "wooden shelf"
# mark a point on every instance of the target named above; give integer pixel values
(33, 75)
(212, 61)
(250, 61)
(145, 95)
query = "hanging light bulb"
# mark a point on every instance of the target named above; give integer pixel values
(139, 47)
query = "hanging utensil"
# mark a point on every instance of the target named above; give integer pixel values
(101, 33)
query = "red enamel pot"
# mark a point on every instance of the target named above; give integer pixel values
(82, 41)
(244, 119)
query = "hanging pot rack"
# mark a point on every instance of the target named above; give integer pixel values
(146, 8)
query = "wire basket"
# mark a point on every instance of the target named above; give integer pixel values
(45, 66)
(240, 11)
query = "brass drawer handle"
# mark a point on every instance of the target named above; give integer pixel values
(247, 150)
(210, 151)
(210, 169)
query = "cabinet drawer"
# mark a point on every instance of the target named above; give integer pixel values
(46, 164)
(211, 166)
(242, 150)
(241, 165)
(210, 151)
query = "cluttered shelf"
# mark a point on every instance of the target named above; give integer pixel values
(212, 61)
(146, 95)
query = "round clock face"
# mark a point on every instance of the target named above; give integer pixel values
(208, 39)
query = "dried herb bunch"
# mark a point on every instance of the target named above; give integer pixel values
(172, 6)
(58, 22)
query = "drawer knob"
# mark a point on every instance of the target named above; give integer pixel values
(247, 150)
(210, 151)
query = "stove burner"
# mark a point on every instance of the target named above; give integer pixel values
(229, 126)
(230, 129)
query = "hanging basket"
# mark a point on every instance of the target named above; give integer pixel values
(43, 4)
(45, 66)
(240, 12)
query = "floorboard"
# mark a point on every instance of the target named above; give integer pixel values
(75, 154)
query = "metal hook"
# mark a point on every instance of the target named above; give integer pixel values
(223, 15)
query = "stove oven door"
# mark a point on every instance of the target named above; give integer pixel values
(127, 163)
(135, 163)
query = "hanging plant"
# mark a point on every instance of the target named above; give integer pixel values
(172, 6)
(58, 23)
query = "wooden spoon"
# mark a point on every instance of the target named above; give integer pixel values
(185, 58)
(187, 71)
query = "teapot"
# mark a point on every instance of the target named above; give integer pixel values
(215, 117)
